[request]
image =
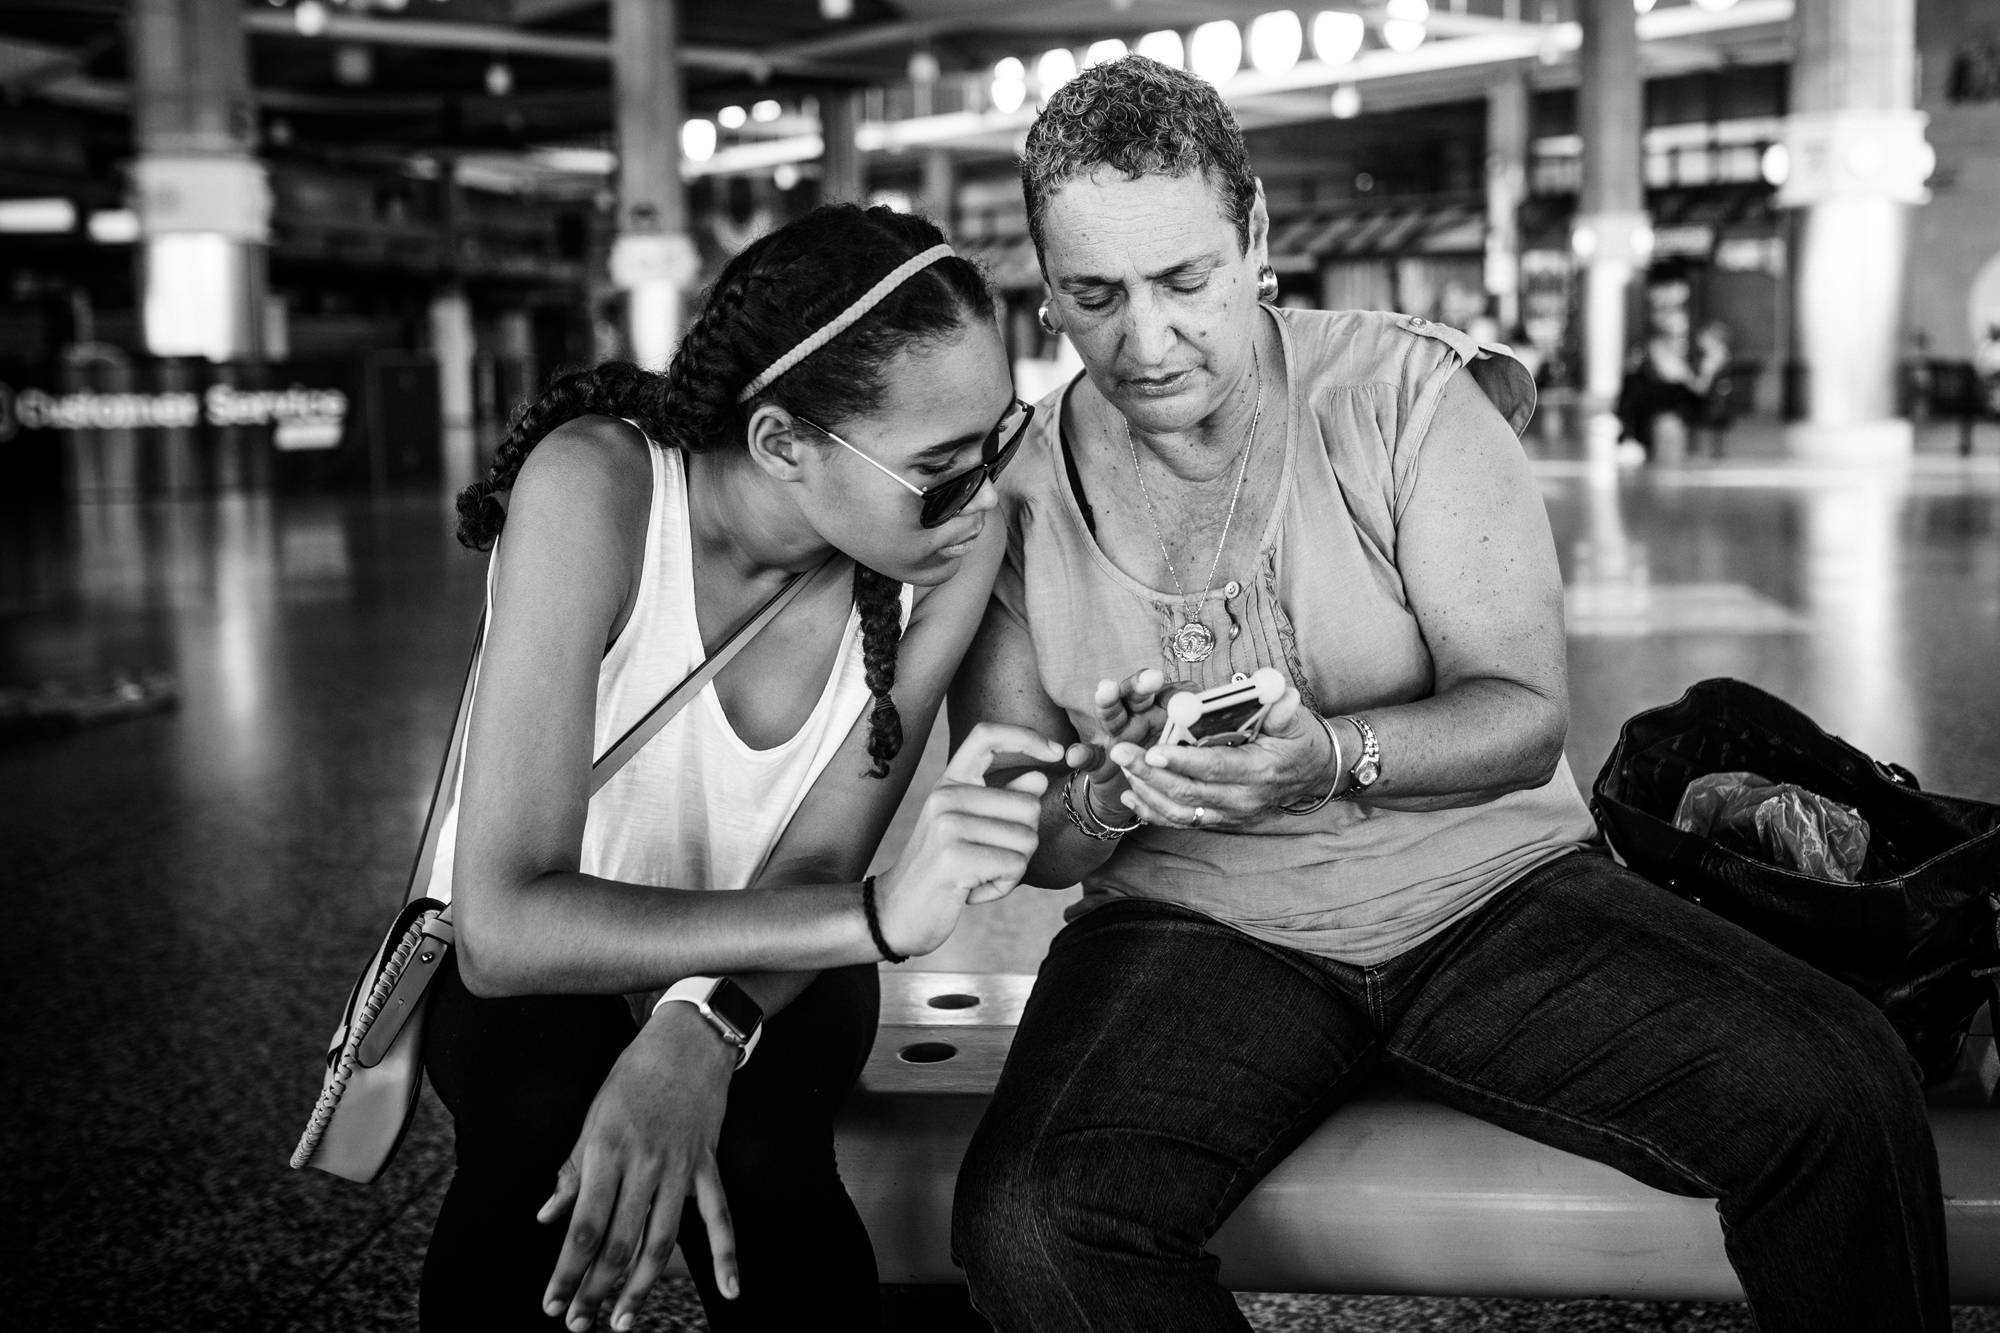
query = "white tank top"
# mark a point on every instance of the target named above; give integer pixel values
(696, 808)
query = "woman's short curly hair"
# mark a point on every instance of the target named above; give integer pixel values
(1143, 118)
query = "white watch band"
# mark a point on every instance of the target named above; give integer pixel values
(694, 991)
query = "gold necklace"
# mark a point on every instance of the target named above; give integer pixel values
(1193, 641)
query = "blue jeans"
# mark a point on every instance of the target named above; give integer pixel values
(1166, 1062)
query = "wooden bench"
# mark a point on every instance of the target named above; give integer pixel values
(1393, 1195)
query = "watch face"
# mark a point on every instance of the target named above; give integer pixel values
(1366, 772)
(733, 1005)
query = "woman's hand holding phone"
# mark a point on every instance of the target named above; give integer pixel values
(972, 842)
(1230, 786)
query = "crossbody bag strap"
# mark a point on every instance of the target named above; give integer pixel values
(447, 778)
(677, 698)
(612, 760)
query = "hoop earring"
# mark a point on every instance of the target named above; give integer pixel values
(1267, 284)
(1047, 321)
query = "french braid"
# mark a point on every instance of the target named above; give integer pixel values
(777, 291)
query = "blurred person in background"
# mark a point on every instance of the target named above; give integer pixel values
(1662, 377)
(1399, 871)
(1719, 387)
(648, 515)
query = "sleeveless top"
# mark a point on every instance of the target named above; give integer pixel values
(1325, 605)
(696, 808)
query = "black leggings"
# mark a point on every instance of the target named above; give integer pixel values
(519, 1076)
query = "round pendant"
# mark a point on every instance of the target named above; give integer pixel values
(1193, 642)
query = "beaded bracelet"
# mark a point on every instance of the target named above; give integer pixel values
(1083, 819)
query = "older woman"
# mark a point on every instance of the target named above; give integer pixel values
(1399, 871)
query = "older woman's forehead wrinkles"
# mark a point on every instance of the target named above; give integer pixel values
(1155, 247)
(1134, 229)
(1199, 265)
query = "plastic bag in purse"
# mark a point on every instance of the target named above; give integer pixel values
(1915, 933)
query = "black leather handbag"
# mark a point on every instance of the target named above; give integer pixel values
(1916, 934)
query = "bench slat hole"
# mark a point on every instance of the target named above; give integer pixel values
(927, 1053)
(953, 1000)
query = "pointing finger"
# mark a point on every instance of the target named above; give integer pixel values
(988, 739)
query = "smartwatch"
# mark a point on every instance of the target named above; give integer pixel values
(736, 1018)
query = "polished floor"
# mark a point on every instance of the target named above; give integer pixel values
(187, 894)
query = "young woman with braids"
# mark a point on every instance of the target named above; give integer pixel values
(647, 516)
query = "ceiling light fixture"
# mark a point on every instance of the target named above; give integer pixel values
(1403, 36)
(1276, 40)
(114, 226)
(698, 140)
(1215, 52)
(1165, 47)
(1053, 70)
(45, 217)
(1010, 85)
(1337, 35)
(1099, 52)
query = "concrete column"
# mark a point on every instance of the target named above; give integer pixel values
(452, 347)
(940, 189)
(203, 199)
(652, 259)
(1857, 161)
(1612, 235)
(842, 180)
(1506, 187)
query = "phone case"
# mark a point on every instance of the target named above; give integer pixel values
(1225, 715)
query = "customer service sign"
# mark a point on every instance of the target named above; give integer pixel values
(299, 417)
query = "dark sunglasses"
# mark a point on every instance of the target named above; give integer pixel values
(943, 501)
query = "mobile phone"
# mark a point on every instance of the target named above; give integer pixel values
(1226, 714)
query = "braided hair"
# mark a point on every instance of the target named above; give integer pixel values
(772, 295)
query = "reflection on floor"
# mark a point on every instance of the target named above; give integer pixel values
(187, 894)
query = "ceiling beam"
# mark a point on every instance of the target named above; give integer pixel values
(912, 31)
(491, 38)
(861, 39)
(496, 39)
(538, 11)
(1298, 94)
(1682, 21)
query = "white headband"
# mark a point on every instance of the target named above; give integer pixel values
(845, 320)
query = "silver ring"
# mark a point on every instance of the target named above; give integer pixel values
(1200, 813)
